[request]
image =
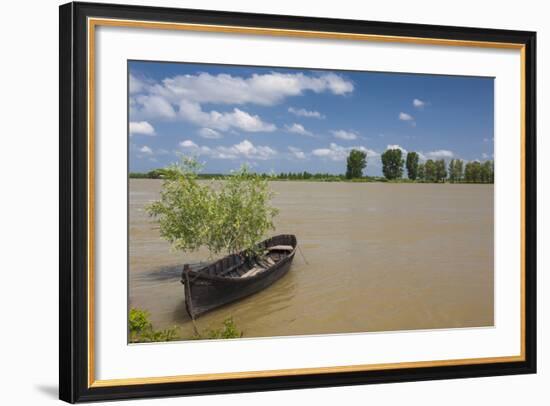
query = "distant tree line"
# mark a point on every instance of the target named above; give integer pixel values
(435, 171)
(305, 175)
(393, 166)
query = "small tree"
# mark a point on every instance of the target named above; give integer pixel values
(412, 165)
(229, 217)
(456, 170)
(487, 172)
(429, 171)
(440, 170)
(392, 164)
(421, 174)
(472, 172)
(356, 162)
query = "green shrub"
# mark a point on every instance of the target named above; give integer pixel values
(229, 217)
(229, 330)
(142, 331)
(138, 321)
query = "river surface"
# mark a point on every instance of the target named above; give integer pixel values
(380, 257)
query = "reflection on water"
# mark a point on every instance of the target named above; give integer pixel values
(380, 257)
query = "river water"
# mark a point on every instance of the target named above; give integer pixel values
(380, 257)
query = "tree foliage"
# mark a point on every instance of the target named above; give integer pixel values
(420, 173)
(356, 162)
(440, 171)
(226, 216)
(456, 169)
(412, 165)
(429, 171)
(392, 164)
(477, 172)
(487, 172)
(472, 172)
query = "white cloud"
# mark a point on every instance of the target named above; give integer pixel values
(141, 127)
(182, 97)
(264, 89)
(146, 150)
(297, 129)
(248, 150)
(305, 113)
(135, 85)
(337, 152)
(419, 104)
(210, 133)
(345, 135)
(405, 117)
(242, 150)
(297, 153)
(223, 121)
(151, 106)
(188, 144)
(440, 154)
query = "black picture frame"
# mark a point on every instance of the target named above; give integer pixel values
(73, 255)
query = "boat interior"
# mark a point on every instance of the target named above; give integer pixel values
(236, 267)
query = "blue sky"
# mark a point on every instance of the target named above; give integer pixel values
(281, 120)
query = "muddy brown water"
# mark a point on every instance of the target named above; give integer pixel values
(380, 257)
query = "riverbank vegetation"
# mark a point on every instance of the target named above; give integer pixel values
(141, 330)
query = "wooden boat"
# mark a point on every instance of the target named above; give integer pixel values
(235, 276)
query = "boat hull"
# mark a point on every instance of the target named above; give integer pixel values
(203, 293)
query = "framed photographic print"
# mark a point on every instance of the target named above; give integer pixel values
(256, 202)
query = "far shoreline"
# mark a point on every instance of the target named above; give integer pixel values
(335, 179)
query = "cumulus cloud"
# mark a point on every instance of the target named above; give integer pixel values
(141, 127)
(345, 135)
(242, 150)
(263, 89)
(297, 129)
(419, 104)
(337, 152)
(305, 113)
(237, 118)
(405, 117)
(135, 85)
(181, 97)
(151, 106)
(210, 133)
(146, 150)
(297, 153)
(188, 144)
